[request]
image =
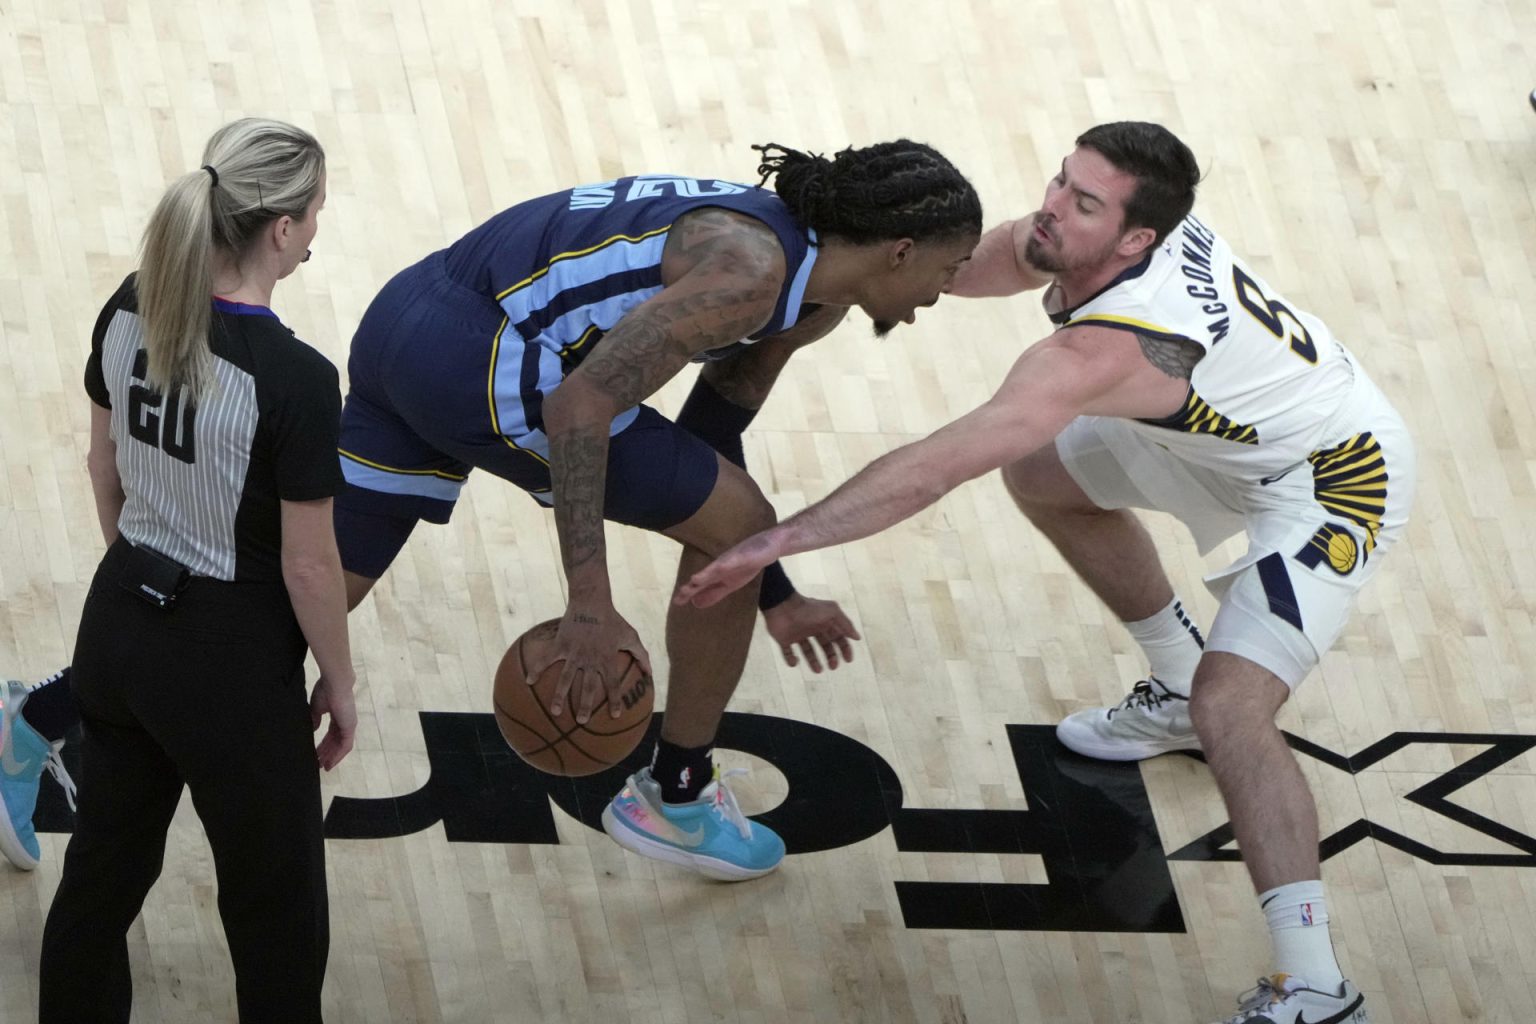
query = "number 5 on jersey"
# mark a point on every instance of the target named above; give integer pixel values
(1268, 312)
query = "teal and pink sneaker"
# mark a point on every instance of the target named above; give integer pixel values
(709, 835)
(23, 756)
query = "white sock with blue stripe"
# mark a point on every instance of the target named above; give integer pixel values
(1173, 645)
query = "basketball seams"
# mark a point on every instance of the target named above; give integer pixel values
(564, 736)
(633, 661)
(561, 735)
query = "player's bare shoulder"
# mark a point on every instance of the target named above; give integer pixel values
(726, 242)
(1172, 356)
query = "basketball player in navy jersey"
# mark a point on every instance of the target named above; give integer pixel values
(1178, 380)
(527, 349)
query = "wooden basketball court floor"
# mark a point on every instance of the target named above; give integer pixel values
(1373, 158)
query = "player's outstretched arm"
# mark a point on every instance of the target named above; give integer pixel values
(1074, 372)
(998, 266)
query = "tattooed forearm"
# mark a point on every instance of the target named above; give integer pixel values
(724, 278)
(1177, 359)
(746, 377)
(652, 343)
(638, 364)
(578, 464)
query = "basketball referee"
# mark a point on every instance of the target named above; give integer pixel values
(213, 462)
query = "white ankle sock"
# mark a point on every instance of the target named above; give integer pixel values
(1298, 923)
(1173, 645)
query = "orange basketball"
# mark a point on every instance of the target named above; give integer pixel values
(559, 745)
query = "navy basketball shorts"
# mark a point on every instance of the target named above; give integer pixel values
(440, 386)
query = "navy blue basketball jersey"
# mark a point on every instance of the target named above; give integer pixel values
(566, 267)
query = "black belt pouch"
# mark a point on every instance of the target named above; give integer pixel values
(153, 577)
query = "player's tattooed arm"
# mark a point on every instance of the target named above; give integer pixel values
(578, 465)
(746, 377)
(722, 284)
(1175, 357)
(727, 239)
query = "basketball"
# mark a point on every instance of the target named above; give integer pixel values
(560, 746)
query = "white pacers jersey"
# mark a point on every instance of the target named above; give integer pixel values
(1274, 391)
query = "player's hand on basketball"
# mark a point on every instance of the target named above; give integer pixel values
(811, 623)
(334, 698)
(730, 572)
(588, 636)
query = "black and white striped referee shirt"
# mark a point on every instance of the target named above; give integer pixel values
(203, 482)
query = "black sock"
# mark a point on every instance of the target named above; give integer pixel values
(50, 707)
(682, 772)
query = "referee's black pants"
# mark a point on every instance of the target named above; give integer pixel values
(210, 695)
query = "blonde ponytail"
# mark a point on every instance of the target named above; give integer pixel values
(174, 285)
(255, 171)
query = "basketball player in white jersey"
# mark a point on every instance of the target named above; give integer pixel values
(1177, 380)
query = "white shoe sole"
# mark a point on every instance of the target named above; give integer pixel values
(1090, 745)
(710, 867)
(10, 845)
(10, 842)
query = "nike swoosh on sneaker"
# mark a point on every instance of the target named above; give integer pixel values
(9, 763)
(1342, 1015)
(691, 837)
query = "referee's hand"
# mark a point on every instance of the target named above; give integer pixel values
(334, 699)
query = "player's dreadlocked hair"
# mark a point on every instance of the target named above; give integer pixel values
(890, 190)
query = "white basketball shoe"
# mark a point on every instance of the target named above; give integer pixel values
(1152, 720)
(1287, 1000)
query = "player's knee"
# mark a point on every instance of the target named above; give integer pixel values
(1041, 487)
(736, 509)
(742, 508)
(1017, 478)
(1206, 714)
(1224, 705)
(756, 514)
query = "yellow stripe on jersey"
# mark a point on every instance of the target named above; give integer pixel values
(490, 378)
(1197, 417)
(1350, 479)
(490, 397)
(1125, 323)
(525, 282)
(525, 451)
(576, 345)
(457, 477)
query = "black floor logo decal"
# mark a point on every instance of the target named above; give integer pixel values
(1432, 796)
(1089, 821)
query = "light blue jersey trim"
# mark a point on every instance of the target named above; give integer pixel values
(419, 484)
(802, 276)
(566, 274)
(509, 383)
(537, 442)
(604, 315)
